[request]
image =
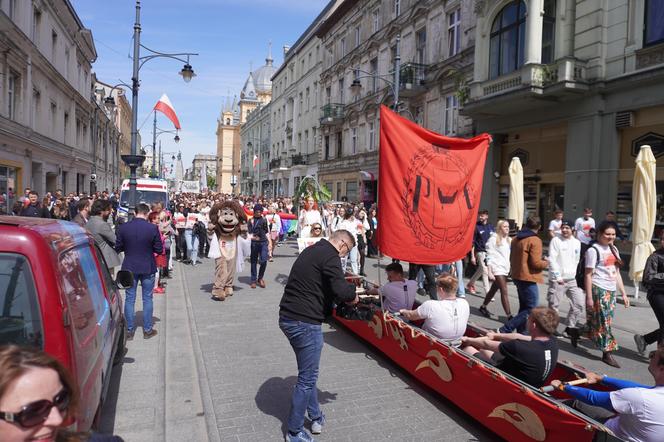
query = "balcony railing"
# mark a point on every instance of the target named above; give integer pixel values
(298, 160)
(412, 79)
(275, 164)
(332, 114)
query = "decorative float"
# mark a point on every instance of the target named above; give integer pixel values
(505, 405)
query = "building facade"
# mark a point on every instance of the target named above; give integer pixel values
(197, 163)
(255, 153)
(574, 98)
(432, 40)
(45, 99)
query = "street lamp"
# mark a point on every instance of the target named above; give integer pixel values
(134, 160)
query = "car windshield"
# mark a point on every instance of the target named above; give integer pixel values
(20, 318)
(148, 197)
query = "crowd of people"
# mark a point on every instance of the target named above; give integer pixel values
(582, 260)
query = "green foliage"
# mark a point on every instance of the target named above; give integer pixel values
(211, 182)
(309, 186)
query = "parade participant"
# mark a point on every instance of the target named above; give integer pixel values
(483, 231)
(498, 265)
(180, 220)
(362, 228)
(83, 207)
(564, 255)
(526, 265)
(227, 220)
(31, 206)
(103, 233)
(602, 278)
(350, 224)
(261, 245)
(611, 218)
(139, 240)
(316, 281)
(191, 236)
(531, 357)
(555, 223)
(372, 251)
(639, 409)
(316, 231)
(159, 259)
(338, 217)
(274, 221)
(168, 232)
(583, 224)
(445, 318)
(398, 293)
(653, 279)
(308, 215)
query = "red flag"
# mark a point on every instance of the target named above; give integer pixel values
(164, 106)
(256, 160)
(429, 192)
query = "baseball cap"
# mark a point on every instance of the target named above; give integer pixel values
(567, 223)
(258, 208)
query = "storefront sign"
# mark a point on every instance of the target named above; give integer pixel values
(652, 139)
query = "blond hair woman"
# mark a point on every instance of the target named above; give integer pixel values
(498, 264)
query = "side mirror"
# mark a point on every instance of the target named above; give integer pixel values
(125, 279)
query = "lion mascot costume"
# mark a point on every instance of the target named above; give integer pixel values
(227, 221)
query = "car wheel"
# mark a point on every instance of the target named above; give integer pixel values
(121, 349)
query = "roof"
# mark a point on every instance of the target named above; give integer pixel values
(335, 17)
(263, 75)
(249, 89)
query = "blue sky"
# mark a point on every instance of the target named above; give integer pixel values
(229, 35)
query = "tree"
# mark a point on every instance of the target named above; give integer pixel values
(309, 186)
(211, 182)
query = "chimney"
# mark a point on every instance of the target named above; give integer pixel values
(286, 49)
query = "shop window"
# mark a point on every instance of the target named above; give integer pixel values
(507, 41)
(654, 22)
(351, 190)
(549, 31)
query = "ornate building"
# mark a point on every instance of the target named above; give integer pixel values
(361, 43)
(257, 91)
(573, 89)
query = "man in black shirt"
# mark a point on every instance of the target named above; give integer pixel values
(315, 282)
(529, 358)
(261, 244)
(34, 208)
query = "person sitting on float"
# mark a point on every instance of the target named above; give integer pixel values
(445, 318)
(528, 358)
(639, 409)
(398, 293)
(308, 216)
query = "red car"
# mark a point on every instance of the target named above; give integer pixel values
(57, 294)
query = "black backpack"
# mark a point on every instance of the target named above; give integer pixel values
(581, 267)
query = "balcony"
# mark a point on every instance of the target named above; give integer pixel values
(412, 79)
(526, 87)
(298, 160)
(275, 164)
(332, 114)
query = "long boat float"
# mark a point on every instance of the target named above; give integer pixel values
(505, 405)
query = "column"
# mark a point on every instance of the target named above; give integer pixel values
(534, 24)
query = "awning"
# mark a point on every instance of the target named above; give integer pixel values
(368, 176)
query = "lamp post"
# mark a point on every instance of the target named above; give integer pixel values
(134, 160)
(356, 86)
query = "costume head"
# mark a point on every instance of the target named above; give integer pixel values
(227, 218)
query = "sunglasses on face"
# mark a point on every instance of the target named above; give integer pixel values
(36, 413)
(315, 228)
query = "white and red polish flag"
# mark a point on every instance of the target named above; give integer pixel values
(256, 161)
(165, 107)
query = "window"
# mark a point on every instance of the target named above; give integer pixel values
(421, 46)
(67, 58)
(549, 31)
(507, 40)
(327, 147)
(451, 115)
(36, 24)
(654, 23)
(11, 9)
(357, 36)
(13, 94)
(36, 106)
(373, 68)
(342, 47)
(338, 198)
(308, 99)
(453, 32)
(375, 20)
(341, 90)
(340, 150)
(301, 104)
(54, 45)
(328, 94)
(54, 116)
(371, 138)
(20, 319)
(353, 140)
(351, 190)
(397, 8)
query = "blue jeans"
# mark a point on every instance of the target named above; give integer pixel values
(147, 284)
(258, 253)
(192, 244)
(528, 299)
(307, 342)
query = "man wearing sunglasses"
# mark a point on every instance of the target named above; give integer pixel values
(315, 283)
(638, 409)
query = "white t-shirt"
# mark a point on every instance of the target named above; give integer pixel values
(641, 415)
(446, 319)
(564, 255)
(350, 225)
(554, 226)
(582, 227)
(604, 270)
(498, 256)
(396, 297)
(309, 217)
(274, 221)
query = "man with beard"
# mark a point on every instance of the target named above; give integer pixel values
(102, 232)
